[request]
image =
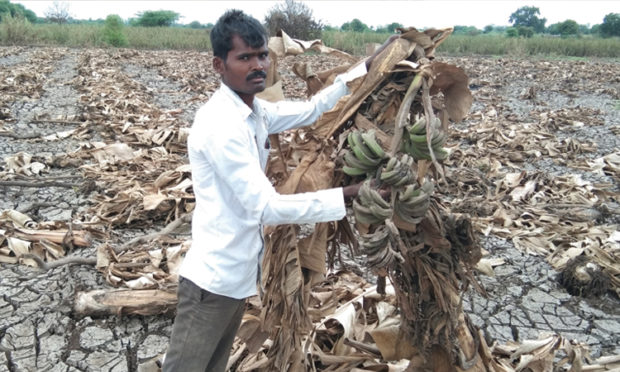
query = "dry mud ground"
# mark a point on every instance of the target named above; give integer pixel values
(39, 330)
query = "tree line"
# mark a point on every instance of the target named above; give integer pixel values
(296, 18)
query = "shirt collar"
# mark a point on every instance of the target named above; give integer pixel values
(234, 97)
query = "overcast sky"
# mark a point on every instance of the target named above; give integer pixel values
(417, 13)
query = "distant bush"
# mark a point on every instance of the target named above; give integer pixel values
(156, 18)
(466, 30)
(195, 24)
(525, 31)
(390, 29)
(512, 32)
(113, 31)
(355, 26)
(295, 18)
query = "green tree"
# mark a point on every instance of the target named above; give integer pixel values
(554, 29)
(527, 16)
(295, 18)
(156, 18)
(611, 25)
(393, 26)
(113, 31)
(584, 29)
(17, 11)
(568, 28)
(355, 25)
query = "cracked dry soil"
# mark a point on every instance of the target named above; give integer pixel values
(40, 332)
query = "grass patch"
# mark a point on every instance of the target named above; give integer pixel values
(17, 31)
(352, 42)
(84, 35)
(536, 46)
(167, 38)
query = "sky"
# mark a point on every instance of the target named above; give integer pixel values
(416, 13)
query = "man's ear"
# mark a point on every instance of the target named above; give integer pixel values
(218, 64)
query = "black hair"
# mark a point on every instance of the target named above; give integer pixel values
(235, 22)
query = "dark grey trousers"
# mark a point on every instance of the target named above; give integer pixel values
(204, 330)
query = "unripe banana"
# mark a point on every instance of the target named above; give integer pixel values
(441, 153)
(352, 161)
(370, 141)
(438, 140)
(419, 127)
(391, 163)
(353, 171)
(390, 176)
(364, 215)
(365, 194)
(380, 213)
(406, 216)
(418, 139)
(420, 153)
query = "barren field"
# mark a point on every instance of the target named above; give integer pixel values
(92, 141)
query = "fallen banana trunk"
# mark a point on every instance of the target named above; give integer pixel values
(24, 241)
(76, 238)
(125, 302)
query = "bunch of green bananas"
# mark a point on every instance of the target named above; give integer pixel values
(397, 172)
(369, 207)
(414, 140)
(412, 203)
(377, 247)
(366, 153)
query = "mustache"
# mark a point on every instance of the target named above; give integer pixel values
(256, 74)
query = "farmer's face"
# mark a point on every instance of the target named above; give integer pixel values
(244, 69)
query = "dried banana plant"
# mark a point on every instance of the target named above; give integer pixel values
(427, 252)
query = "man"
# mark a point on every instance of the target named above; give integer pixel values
(228, 148)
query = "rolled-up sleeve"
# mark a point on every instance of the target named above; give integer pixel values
(319, 206)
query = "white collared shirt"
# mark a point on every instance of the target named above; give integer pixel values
(234, 198)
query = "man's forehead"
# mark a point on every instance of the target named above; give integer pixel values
(239, 43)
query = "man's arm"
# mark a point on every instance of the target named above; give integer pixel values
(286, 115)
